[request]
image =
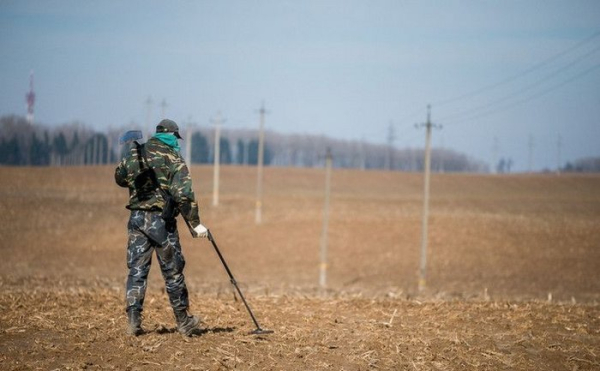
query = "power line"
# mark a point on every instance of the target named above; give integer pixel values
(523, 90)
(521, 74)
(560, 85)
(531, 97)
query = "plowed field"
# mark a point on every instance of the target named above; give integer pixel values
(513, 274)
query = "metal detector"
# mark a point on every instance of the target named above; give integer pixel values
(258, 330)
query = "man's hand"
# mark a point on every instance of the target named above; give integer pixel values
(200, 231)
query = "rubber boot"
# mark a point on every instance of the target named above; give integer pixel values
(134, 325)
(186, 323)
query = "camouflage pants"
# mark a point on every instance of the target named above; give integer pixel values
(148, 232)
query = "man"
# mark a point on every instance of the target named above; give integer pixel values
(149, 230)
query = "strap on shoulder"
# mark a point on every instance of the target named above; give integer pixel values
(141, 155)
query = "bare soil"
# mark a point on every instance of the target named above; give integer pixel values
(513, 274)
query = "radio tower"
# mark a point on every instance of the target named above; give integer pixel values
(30, 98)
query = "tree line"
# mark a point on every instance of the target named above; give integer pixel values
(583, 165)
(23, 144)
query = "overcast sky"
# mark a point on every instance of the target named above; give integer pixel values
(510, 70)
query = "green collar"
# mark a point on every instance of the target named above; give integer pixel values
(168, 139)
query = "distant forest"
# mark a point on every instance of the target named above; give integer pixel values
(23, 144)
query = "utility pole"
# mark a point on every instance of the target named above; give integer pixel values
(246, 152)
(441, 152)
(102, 153)
(323, 265)
(217, 159)
(149, 116)
(259, 183)
(95, 150)
(109, 145)
(30, 98)
(495, 156)
(362, 155)
(558, 153)
(90, 154)
(163, 106)
(389, 163)
(188, 142)
(530, 145)
(423, 264)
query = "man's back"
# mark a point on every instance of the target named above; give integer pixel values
(172, 175)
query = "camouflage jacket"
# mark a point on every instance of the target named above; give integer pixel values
(172, 175)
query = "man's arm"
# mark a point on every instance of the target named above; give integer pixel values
(181, 189)
(121, 174)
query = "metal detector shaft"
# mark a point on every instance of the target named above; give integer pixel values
(258, 330)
